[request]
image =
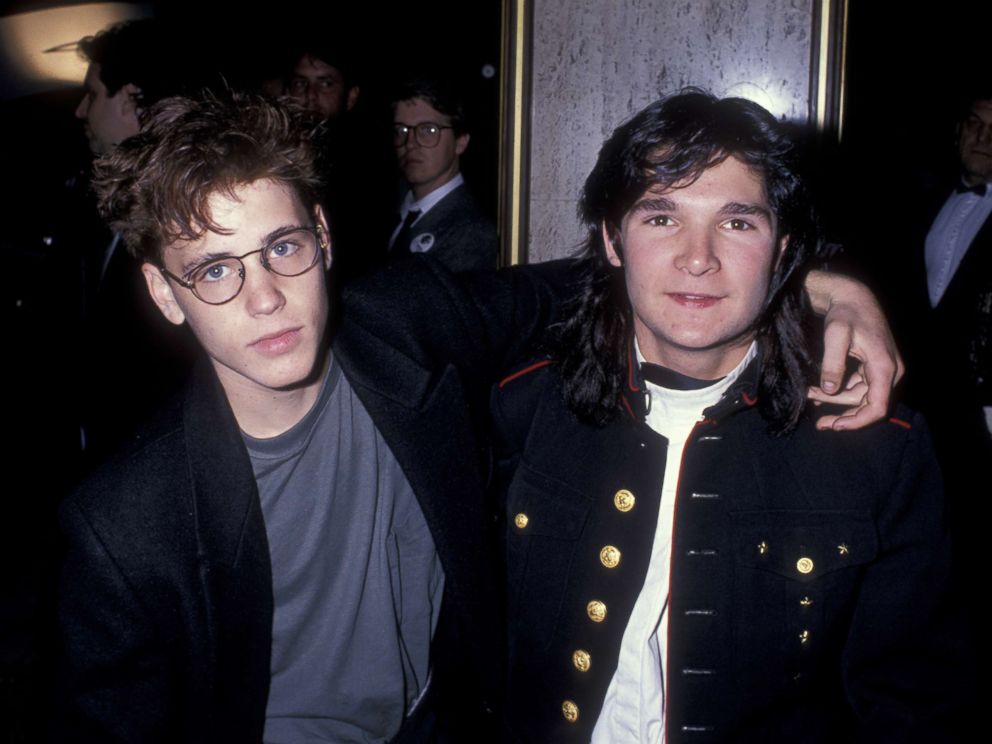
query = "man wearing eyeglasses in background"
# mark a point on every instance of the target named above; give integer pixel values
(438, 215)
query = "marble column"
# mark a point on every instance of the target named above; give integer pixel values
(596, 62)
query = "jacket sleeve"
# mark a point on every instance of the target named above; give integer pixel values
(479, 322)
(907, 660)
(113, 669)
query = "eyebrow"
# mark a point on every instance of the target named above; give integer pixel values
(655, 204)
(735, 208)
(664, 204)
(265, 242)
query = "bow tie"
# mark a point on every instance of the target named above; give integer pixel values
(979, 189)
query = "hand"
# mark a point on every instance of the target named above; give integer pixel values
(854, 326)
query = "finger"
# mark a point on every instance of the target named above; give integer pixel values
(880, 375)
(852, 395)
(857, 417)
(836, 346)
(856, 378)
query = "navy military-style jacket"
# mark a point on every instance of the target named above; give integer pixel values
(808, 593)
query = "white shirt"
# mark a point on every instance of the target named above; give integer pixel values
(957, 224)
(633, 710)
(424, 205)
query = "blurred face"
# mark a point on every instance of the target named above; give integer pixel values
(270, 336)
(697, 262)
(321, 88)
(108, 119)
(975, 144)
(427, 168)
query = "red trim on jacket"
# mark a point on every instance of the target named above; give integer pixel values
(524, 371)
(630, 368)
(900, 422)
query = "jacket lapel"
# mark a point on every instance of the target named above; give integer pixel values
(233, 558)
(424, 417)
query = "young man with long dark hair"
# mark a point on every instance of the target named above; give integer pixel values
(689, 558)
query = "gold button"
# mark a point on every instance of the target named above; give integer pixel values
(521, 520)
(804, 636)
(843, 549)
(804, 565)
(596, 611)
(624, 500)
(805, 601)
(581, 660)
(609, 556)
(570, 710)
(762, 547)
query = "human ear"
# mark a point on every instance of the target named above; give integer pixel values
(461, 143)
(612, 252)
(352, 97)
(783, 242)
(323, 236)
(161, 292)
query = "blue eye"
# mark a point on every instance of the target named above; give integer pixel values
(282, 250)
(214, 272)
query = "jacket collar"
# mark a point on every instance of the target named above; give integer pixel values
(742, 393)
(224, 490)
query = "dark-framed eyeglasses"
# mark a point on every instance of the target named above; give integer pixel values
(220, 280)
(427, 134)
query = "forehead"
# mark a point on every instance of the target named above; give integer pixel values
(418, 110)
(311, 67)
(982, 109)
(92, 80)
(245, 215)
(730, 180)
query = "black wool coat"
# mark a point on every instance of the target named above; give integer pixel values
(165, 610)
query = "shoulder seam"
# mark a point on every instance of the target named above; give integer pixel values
(525, 371)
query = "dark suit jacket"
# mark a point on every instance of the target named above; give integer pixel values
(463, 239)
(948, 348)
(166, 595)
(855, 645)
(948, 351)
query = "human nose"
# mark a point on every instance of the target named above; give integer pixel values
(261, 289)
(82, 109)
(985, 133)
(697, 255)
(312, 97)
(411, 140)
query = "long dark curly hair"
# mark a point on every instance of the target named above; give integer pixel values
(670, 144)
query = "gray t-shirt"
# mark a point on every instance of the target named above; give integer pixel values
(356, 578)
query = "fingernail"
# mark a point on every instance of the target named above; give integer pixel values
(829, 386)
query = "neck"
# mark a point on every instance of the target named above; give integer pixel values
(709, 364)
(264, 413)
(423, 189)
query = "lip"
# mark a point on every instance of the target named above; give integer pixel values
(279, 342)
(694, 300)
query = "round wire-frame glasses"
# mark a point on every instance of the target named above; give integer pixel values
(220, 280)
